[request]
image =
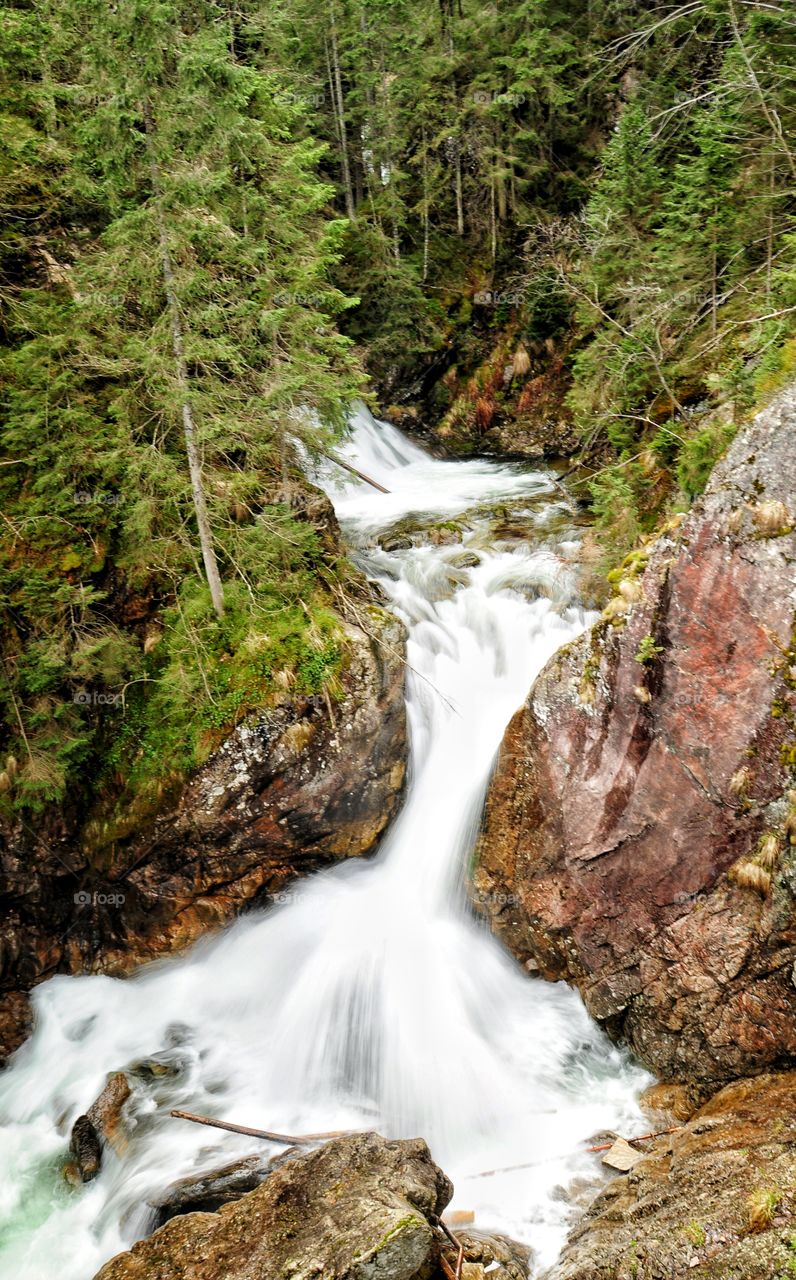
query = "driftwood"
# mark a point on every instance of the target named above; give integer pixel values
(601, 1146)
(287, 1139)
(333, 457)
(458, 1246)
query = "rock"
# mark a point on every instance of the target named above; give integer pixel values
(106, 1114)
(622, 1156)
(85, 1148)
(102, 1124)
(301, 785)
(495, 1257)
(715, 1199)
(357, 1208)
(619, 831)
(668, 1104)
(206, 1192)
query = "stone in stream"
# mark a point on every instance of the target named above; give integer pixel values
(206, 1192)
(357, 1208)
(493, 1257)
(85, 1149)
(102, 1123)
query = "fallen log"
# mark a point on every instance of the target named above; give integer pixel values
(287, 1139)
(334, 457)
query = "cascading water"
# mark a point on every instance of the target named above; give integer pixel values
(372, 998)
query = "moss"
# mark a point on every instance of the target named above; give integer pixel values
(695, 1232)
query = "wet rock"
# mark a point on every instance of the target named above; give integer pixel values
(668, 1104)
(85, 1148)
(206, 1192)
(106, 1114)
(307, 782)
(157, 1066)
(102, 1124)
(641, 844)
(715, 1200)
(493, 1257)
(357, 1208)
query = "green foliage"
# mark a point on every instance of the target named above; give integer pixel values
(101, 547)
(698, 454)
(647, 651)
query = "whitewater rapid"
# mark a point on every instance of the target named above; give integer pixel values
(372, 996)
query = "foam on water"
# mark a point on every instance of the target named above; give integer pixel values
(372, 997)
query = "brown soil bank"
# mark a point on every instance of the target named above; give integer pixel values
(639, 830)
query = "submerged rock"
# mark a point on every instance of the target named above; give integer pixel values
(714, 1201)
(206, 1192)
(357, 1208)
(641, 847)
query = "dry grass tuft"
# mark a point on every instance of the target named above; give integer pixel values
(521, 362)
(771, 518)
(740, 781)
(761, 1207)
(768, 851)
(750, 875)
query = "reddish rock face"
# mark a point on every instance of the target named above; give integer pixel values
(627, 819)
(305, 784)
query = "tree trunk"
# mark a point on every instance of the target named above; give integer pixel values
(181, 372)
(425, 208)
(459, 194)
(341, 127)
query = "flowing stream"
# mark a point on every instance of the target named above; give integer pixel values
(372, 996)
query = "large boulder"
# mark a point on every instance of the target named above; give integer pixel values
(639, 829)
(357, 1208)
(714, 1201)
(306, 782)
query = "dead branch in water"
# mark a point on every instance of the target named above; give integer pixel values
(457, 1244)
(261, 1133)
(340, 462)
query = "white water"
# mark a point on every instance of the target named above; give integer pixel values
(372, 997)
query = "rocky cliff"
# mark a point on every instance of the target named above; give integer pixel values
(639, 830)
(713, 1201)
(305, 783)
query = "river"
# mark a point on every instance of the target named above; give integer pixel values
(371, 996)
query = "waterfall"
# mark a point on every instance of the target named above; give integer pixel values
(372, 996)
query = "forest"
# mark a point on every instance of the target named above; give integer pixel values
(224, 221)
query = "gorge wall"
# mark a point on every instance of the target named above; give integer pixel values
(639, 829)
